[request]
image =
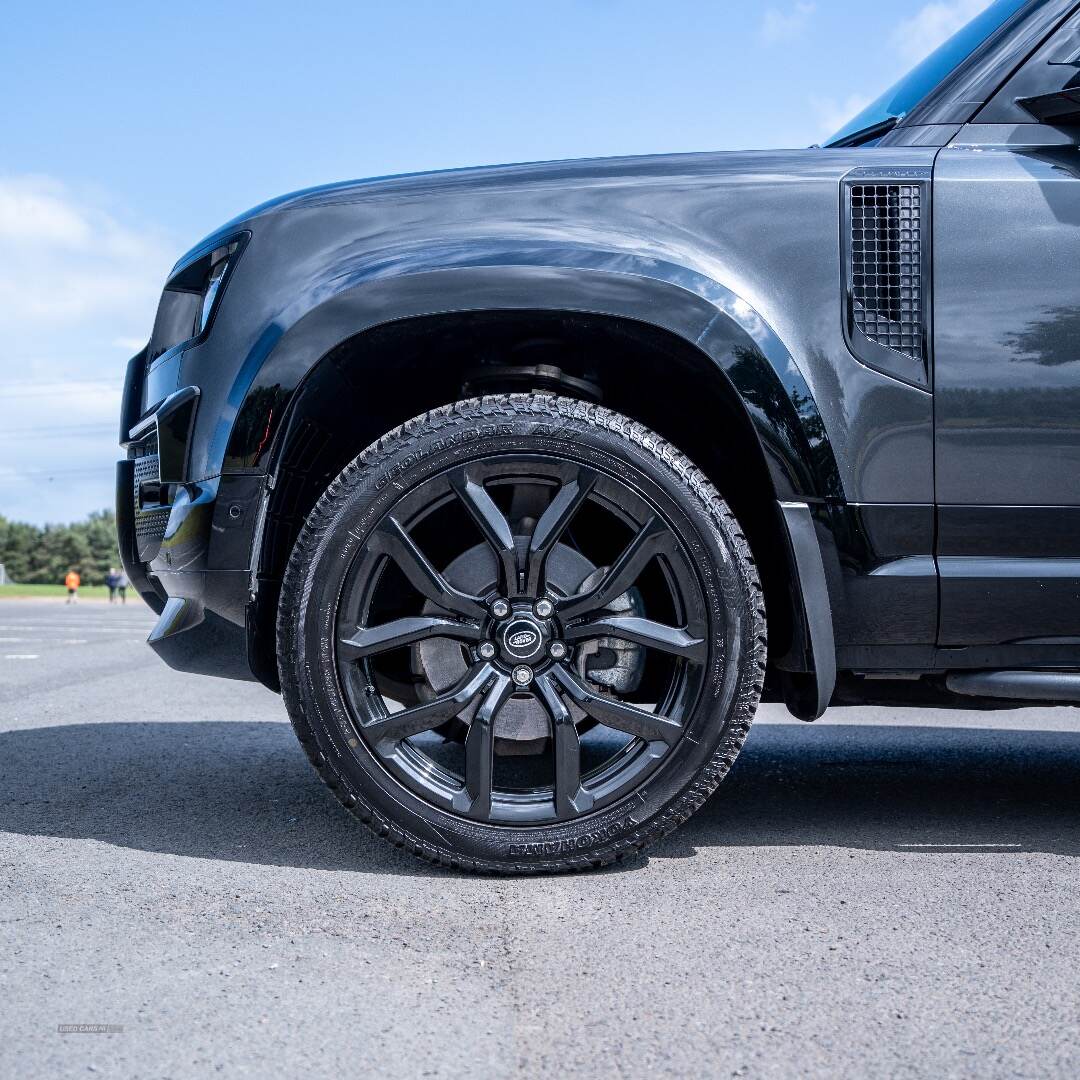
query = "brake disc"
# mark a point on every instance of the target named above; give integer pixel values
(609, 663)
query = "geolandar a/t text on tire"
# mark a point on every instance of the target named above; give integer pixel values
(521, 633)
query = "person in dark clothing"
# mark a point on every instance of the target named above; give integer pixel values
(111, 584)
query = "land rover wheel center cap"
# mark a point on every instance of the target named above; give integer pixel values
(522, 640)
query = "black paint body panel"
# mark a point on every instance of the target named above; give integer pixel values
(1010, 574)
(1007, 326)
(944, 493)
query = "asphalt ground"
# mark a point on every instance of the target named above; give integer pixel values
(885, 893)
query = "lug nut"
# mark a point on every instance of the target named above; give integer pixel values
(556, 650)
(544, 608)
(522, 675)
(500, 609)
(486, 650)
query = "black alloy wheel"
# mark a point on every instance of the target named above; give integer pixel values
(521, 634)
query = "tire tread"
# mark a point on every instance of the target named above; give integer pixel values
(487, 408)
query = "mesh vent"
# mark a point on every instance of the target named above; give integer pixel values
(887, 265)
(149, 524)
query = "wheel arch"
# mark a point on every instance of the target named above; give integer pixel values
(741, 398)
(694, 308)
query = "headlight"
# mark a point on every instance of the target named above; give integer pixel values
(220, 261)
(191, 298)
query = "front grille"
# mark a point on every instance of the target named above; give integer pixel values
(886, 265)
(150, 523)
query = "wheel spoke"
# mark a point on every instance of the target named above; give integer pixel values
(393, 540)
(653, 635)
(652, 537)
(570, 797)
(369, 640)
(431, 714)
(475, 798)
(552, 525)
(492, 523)
(617, 714)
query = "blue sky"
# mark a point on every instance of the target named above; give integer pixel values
(132, 129)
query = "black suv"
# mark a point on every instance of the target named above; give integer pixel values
(500, 474)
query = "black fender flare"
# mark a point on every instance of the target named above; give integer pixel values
(685, 302)
(703, 312)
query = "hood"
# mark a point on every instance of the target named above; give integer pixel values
(643, 168)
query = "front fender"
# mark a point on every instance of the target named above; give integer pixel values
(382, 288)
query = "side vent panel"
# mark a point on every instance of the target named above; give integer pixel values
(886, 241)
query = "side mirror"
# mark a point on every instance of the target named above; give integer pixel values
(1059, 109)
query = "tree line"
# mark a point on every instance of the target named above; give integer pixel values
(43, 554)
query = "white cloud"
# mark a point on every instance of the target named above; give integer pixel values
(931, 25)
(79, 285)
(66, 260)
(130, 344)
(831, 114)
(787, 25)
(33, 209)
(913, 40)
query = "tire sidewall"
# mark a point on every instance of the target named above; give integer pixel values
(339, 529)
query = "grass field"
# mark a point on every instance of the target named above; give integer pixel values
(86, 592)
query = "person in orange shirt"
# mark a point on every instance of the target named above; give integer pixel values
(72, 581)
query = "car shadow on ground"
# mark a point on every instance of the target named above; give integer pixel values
(244, 792)
(896, 788)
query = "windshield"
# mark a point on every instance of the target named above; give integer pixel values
(900, 99)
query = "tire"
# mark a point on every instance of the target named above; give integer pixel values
(455, 728)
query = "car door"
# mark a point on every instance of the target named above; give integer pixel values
(1006, 268)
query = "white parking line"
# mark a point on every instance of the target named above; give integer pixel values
(73, 620)
(84, 629)
(959, 844)
(55, 640)
(22, 656)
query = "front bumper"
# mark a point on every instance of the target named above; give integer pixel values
(184, 548)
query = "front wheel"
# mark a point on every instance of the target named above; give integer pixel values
(521, 633)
